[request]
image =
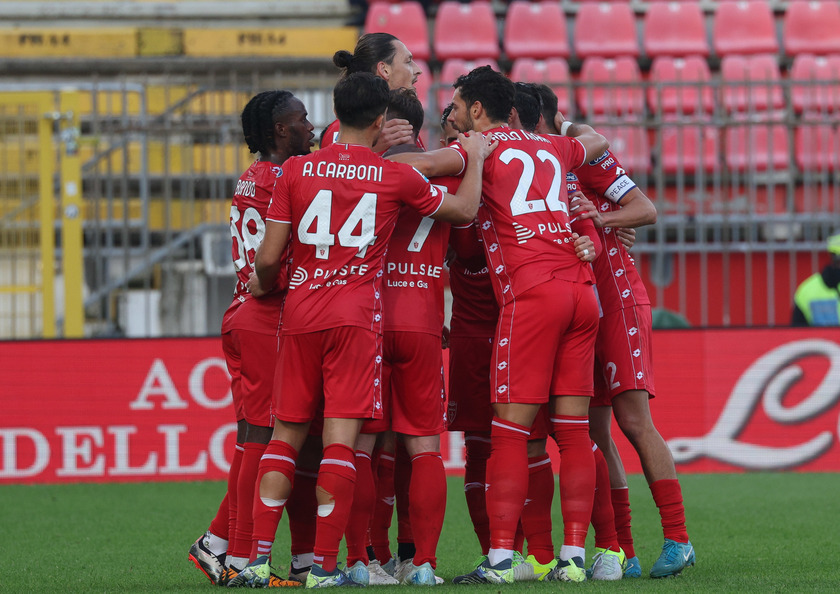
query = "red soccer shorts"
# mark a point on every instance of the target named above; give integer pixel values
(251, 360)
(340, 367)
(545, 344)
(413, 364)
(469, 383)
(623, 354)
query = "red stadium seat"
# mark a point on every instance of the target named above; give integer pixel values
(756, 147)
(424, 83)
(610, 87)
(451, 70)
(675, 29)
(402, 20)
(606, 30)
(812, 28)
(817, 147)
(680, 85)
(630, 144)
(554, 72)
(535, 30)
(814, 83)
(690, 149)
(466, 31)
(744, 28)
(762, 90)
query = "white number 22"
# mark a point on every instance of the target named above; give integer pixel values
(519, 204)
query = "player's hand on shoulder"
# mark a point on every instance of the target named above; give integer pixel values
(626, 236)
(254, 286)
(584, 247)
(477, 145)
(581, 206)
(394, 132)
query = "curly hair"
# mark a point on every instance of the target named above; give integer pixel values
(259, 117)
(492, 89)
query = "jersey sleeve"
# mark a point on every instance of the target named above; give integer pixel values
(571, 150)
(418, 192)
(606, 177)
(456, 146)
(329, 135)
(280, 207)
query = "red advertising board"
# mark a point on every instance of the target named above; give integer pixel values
(130, 410)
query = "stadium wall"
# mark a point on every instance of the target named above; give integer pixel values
(160, 409)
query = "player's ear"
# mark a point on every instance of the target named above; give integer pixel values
(476, 109)
(383, 70)
(380, 119)
(280, 129)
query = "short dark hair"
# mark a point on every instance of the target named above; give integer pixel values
(492, 89)
(359, 99)
(527, 105)
(548, 102)
(405, 104)
(371, 49)
(259, 116)
(445, 116)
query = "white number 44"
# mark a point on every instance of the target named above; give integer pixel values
(319, 214)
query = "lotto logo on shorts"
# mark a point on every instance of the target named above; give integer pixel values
(613, 251)
(633, 331)
(640, 375)
(501, 389)
(637, 352)
(499, 269)
(506, 289)
(486, 225)
(625, 293)
(502, 365)
(377, 317)
(619, 272)
(378, 359)
(376, 382)
(503, 342)
(493, 247)
(376, 295)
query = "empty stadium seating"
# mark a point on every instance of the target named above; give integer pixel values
(812, 28)
(744, 28)
(675, 29)
(759, 90)
(630, 144)
(817, 147)
(815, 83)
(605, 30)
(553, 72)
(680, 85)
(466, 31)
(752, 147)
(451, 70)
(690, 149)
(610, 87)
(535, 30)
(405, 20)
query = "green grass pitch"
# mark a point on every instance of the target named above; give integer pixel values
(752, 533)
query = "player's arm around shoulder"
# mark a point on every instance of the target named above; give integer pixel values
(438, 163)
(460, 208)
(594, 144)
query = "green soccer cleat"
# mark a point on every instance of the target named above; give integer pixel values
(258, 574)
(607, 565)
(501, 573)
(318, 578)
(540, 570)
(675, 557)
(568, 571)
(633, 569)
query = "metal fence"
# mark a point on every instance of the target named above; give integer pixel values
(745, 196)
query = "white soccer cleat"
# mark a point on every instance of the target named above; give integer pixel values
(378, 576)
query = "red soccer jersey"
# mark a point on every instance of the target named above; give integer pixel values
(524, 213)
(247, 227)
(342, 203)
(474, 308)
(413, 291)
(604, 182)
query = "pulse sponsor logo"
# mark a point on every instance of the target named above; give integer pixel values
(523, 234)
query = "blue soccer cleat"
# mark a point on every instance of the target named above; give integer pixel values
(675, 557)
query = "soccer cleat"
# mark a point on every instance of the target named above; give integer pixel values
(568, 571)
(298, 573)
(258, 574)
(379, 576)
(633, 569)
(210, 565)
(540, 570)
(675, 557)
(501, 573)
(607, 565)
(318, 578)
(359, 573)
(227, 576)
(423, 575)
(390, 567)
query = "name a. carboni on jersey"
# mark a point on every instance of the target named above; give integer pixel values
(371, 173)
(518, 135)
(329, 277)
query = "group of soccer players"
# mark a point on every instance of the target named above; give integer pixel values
(334, 337)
